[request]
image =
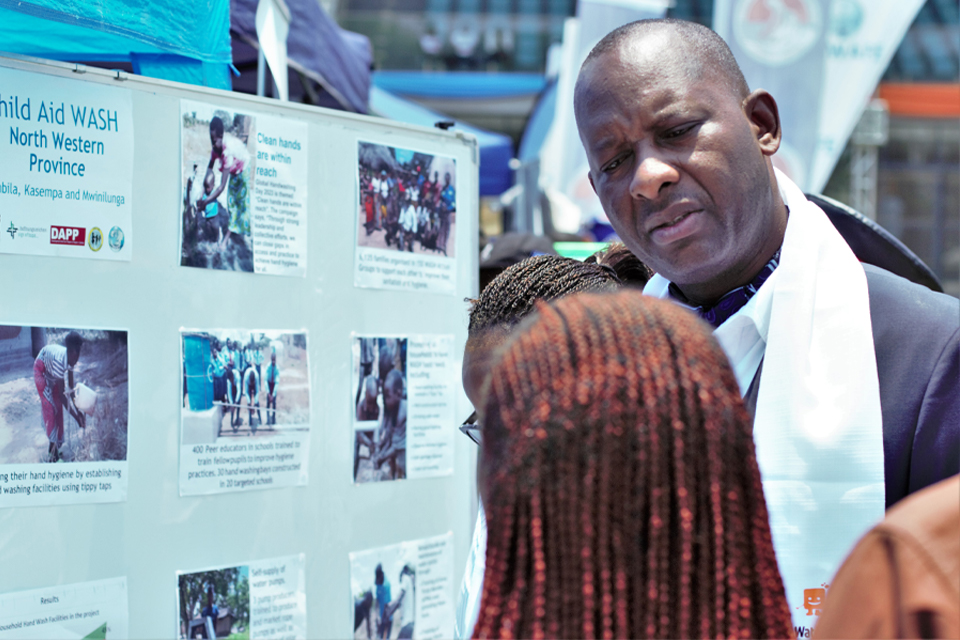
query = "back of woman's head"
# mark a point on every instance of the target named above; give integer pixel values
(511, 296)
(622, 493)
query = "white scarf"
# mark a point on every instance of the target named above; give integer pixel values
(818, 427)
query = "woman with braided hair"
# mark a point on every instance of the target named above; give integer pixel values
(502, 305)
(622, 493)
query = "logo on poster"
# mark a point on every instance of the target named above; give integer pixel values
(777, 32)
(12, 230)
(115, 239)
(95, 239)
(73, 236)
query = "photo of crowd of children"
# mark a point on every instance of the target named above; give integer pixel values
(408, 200)
(380, 409)
(384, 583)
(244, 383)
(219, 151)
(63, 395)
(215, 604)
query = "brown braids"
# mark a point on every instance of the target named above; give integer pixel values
(622, 492)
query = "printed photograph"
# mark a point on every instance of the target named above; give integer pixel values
(63, 395)
(408, 200)
(218, 169)
(384, 583)
(379, 409)
(239, 383)
(215, 604)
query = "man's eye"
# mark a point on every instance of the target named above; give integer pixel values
(678, 131)
(612, 166)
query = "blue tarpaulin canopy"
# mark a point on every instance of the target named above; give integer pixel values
(496, 149)
(182, 40)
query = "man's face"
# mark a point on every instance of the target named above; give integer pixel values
(73, 355)
(680, 164)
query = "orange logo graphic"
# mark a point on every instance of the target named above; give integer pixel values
(813, 600)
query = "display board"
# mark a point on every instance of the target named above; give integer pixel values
(214, 452)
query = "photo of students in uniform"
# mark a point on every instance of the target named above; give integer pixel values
(215, 601)
(380, 409)
(63, 395)
(244, 383)
(407, 200)
(384, 583)
(218, 164)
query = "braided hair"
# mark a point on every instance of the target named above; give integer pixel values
(630, 270)
(622, 492)
(511, 296)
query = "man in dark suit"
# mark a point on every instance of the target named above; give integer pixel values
(853, 372)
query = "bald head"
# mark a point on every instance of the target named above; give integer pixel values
(704, 52)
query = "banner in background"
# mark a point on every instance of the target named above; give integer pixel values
(780, 47)
(403, 590)
(563, 162)
(861, 41)
(66, 167)
(83, 611)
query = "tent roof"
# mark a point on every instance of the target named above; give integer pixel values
(496, 149)
(336, 59)
(113, 29)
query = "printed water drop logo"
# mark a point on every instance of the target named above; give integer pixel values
(115, 239)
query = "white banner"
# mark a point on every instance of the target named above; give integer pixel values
(66, 167)
(861, 41)
(780, 47)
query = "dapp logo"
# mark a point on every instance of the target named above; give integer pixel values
(12, 230)
(67, 235)
(777, 32)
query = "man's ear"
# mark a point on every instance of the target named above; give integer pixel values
(761, 110)
(590, 178)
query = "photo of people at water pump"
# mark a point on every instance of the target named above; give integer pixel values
(218, 166)
(244, 383)
(384, 582)
(63, 395)
(407, 200)
(380, 404)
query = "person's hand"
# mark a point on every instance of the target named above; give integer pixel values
(201, 205)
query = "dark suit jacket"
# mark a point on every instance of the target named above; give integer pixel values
(916, 337)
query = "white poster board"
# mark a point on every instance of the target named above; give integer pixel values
(156, 532)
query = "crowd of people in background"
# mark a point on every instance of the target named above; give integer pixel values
(410, 206)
